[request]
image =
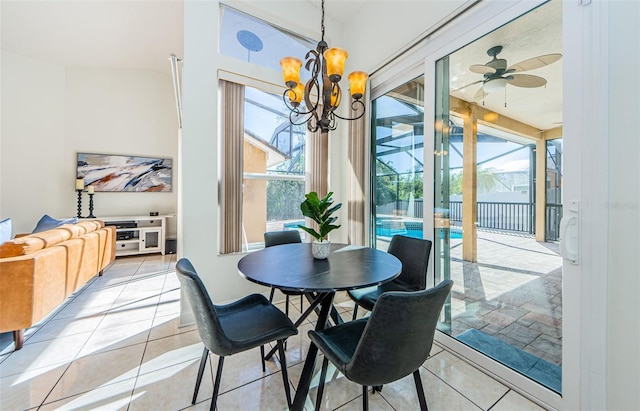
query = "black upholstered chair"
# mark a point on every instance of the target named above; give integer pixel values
(413, 253)
(272, 238)
(232, 328)
(388, 345)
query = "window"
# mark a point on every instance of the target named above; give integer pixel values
(273, 170)
(258, 42)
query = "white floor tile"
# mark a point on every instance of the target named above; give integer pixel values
(114, 397)
(98, 370)
(514, 401)
(117, 345)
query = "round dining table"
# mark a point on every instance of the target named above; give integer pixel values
(292, 267)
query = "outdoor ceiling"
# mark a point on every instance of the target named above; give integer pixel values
(537, 33)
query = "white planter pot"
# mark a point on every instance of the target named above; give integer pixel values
(320, 250)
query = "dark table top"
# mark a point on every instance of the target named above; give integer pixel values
(292, 267)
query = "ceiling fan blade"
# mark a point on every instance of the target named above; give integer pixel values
(480, 94)
(481, 69)
(526, 80)
(467, 85)
(535, 62)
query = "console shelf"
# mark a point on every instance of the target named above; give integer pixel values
(138, 234)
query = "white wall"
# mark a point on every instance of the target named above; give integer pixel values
(49, 113)
(35, 178)
(128, 112)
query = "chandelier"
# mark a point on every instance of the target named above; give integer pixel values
(322, 93)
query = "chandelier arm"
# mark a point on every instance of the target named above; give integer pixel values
(354, 108)
(292, 109)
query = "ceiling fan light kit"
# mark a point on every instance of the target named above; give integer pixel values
(494, 85)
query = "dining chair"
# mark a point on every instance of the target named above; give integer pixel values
(273, 238)
(413, 253)
(229, 329)
(393, 342)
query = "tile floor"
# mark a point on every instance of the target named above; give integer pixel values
(116, 345)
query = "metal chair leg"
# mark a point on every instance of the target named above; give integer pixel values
(203, 362)
(355, 312)
(273, 290)
(323, 376)
(216, 385)
(285, 374)
(420, 389)
(286, 307)
(264, 368)
(365, 398)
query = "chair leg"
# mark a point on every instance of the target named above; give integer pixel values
(355, 312)
(301, 303)
(365, 398)
(285, 374)
(264, 368)
(216, 384)
(273, 290)
(323, 376)
(203, 363)
(286, 307)
(420, 389)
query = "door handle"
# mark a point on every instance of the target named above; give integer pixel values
(570, 234)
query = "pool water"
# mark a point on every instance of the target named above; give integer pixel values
(412, 230)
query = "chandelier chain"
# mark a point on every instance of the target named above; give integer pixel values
(322, 21)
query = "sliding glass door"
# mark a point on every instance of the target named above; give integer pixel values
(498, 194)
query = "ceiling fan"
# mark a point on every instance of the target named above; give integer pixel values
(497, 75)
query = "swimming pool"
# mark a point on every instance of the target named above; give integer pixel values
(389, 228)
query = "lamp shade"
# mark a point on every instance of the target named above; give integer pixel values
(357, 83)
(335, 58)
(494, 85)
(291, 70)
(295, 94)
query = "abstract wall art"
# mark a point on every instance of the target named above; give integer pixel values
(122, 173)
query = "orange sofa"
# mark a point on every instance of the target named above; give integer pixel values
(39, 271)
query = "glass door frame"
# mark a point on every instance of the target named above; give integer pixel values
(443, 44)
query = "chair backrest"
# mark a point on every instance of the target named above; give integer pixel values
(204, 311)
(413, 253)
(272, 238)
(398, 336)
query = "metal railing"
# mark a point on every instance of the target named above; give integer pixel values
(518, 217)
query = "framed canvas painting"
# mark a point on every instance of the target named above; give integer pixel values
(121, 173)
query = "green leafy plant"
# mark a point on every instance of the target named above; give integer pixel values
(320, 211)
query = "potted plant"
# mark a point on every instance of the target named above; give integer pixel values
(320, 211)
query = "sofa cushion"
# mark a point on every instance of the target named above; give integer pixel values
(33, 242)
(5, 230)
(47, 223)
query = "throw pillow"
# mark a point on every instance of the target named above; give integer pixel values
(5, 230)
(47, 223)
